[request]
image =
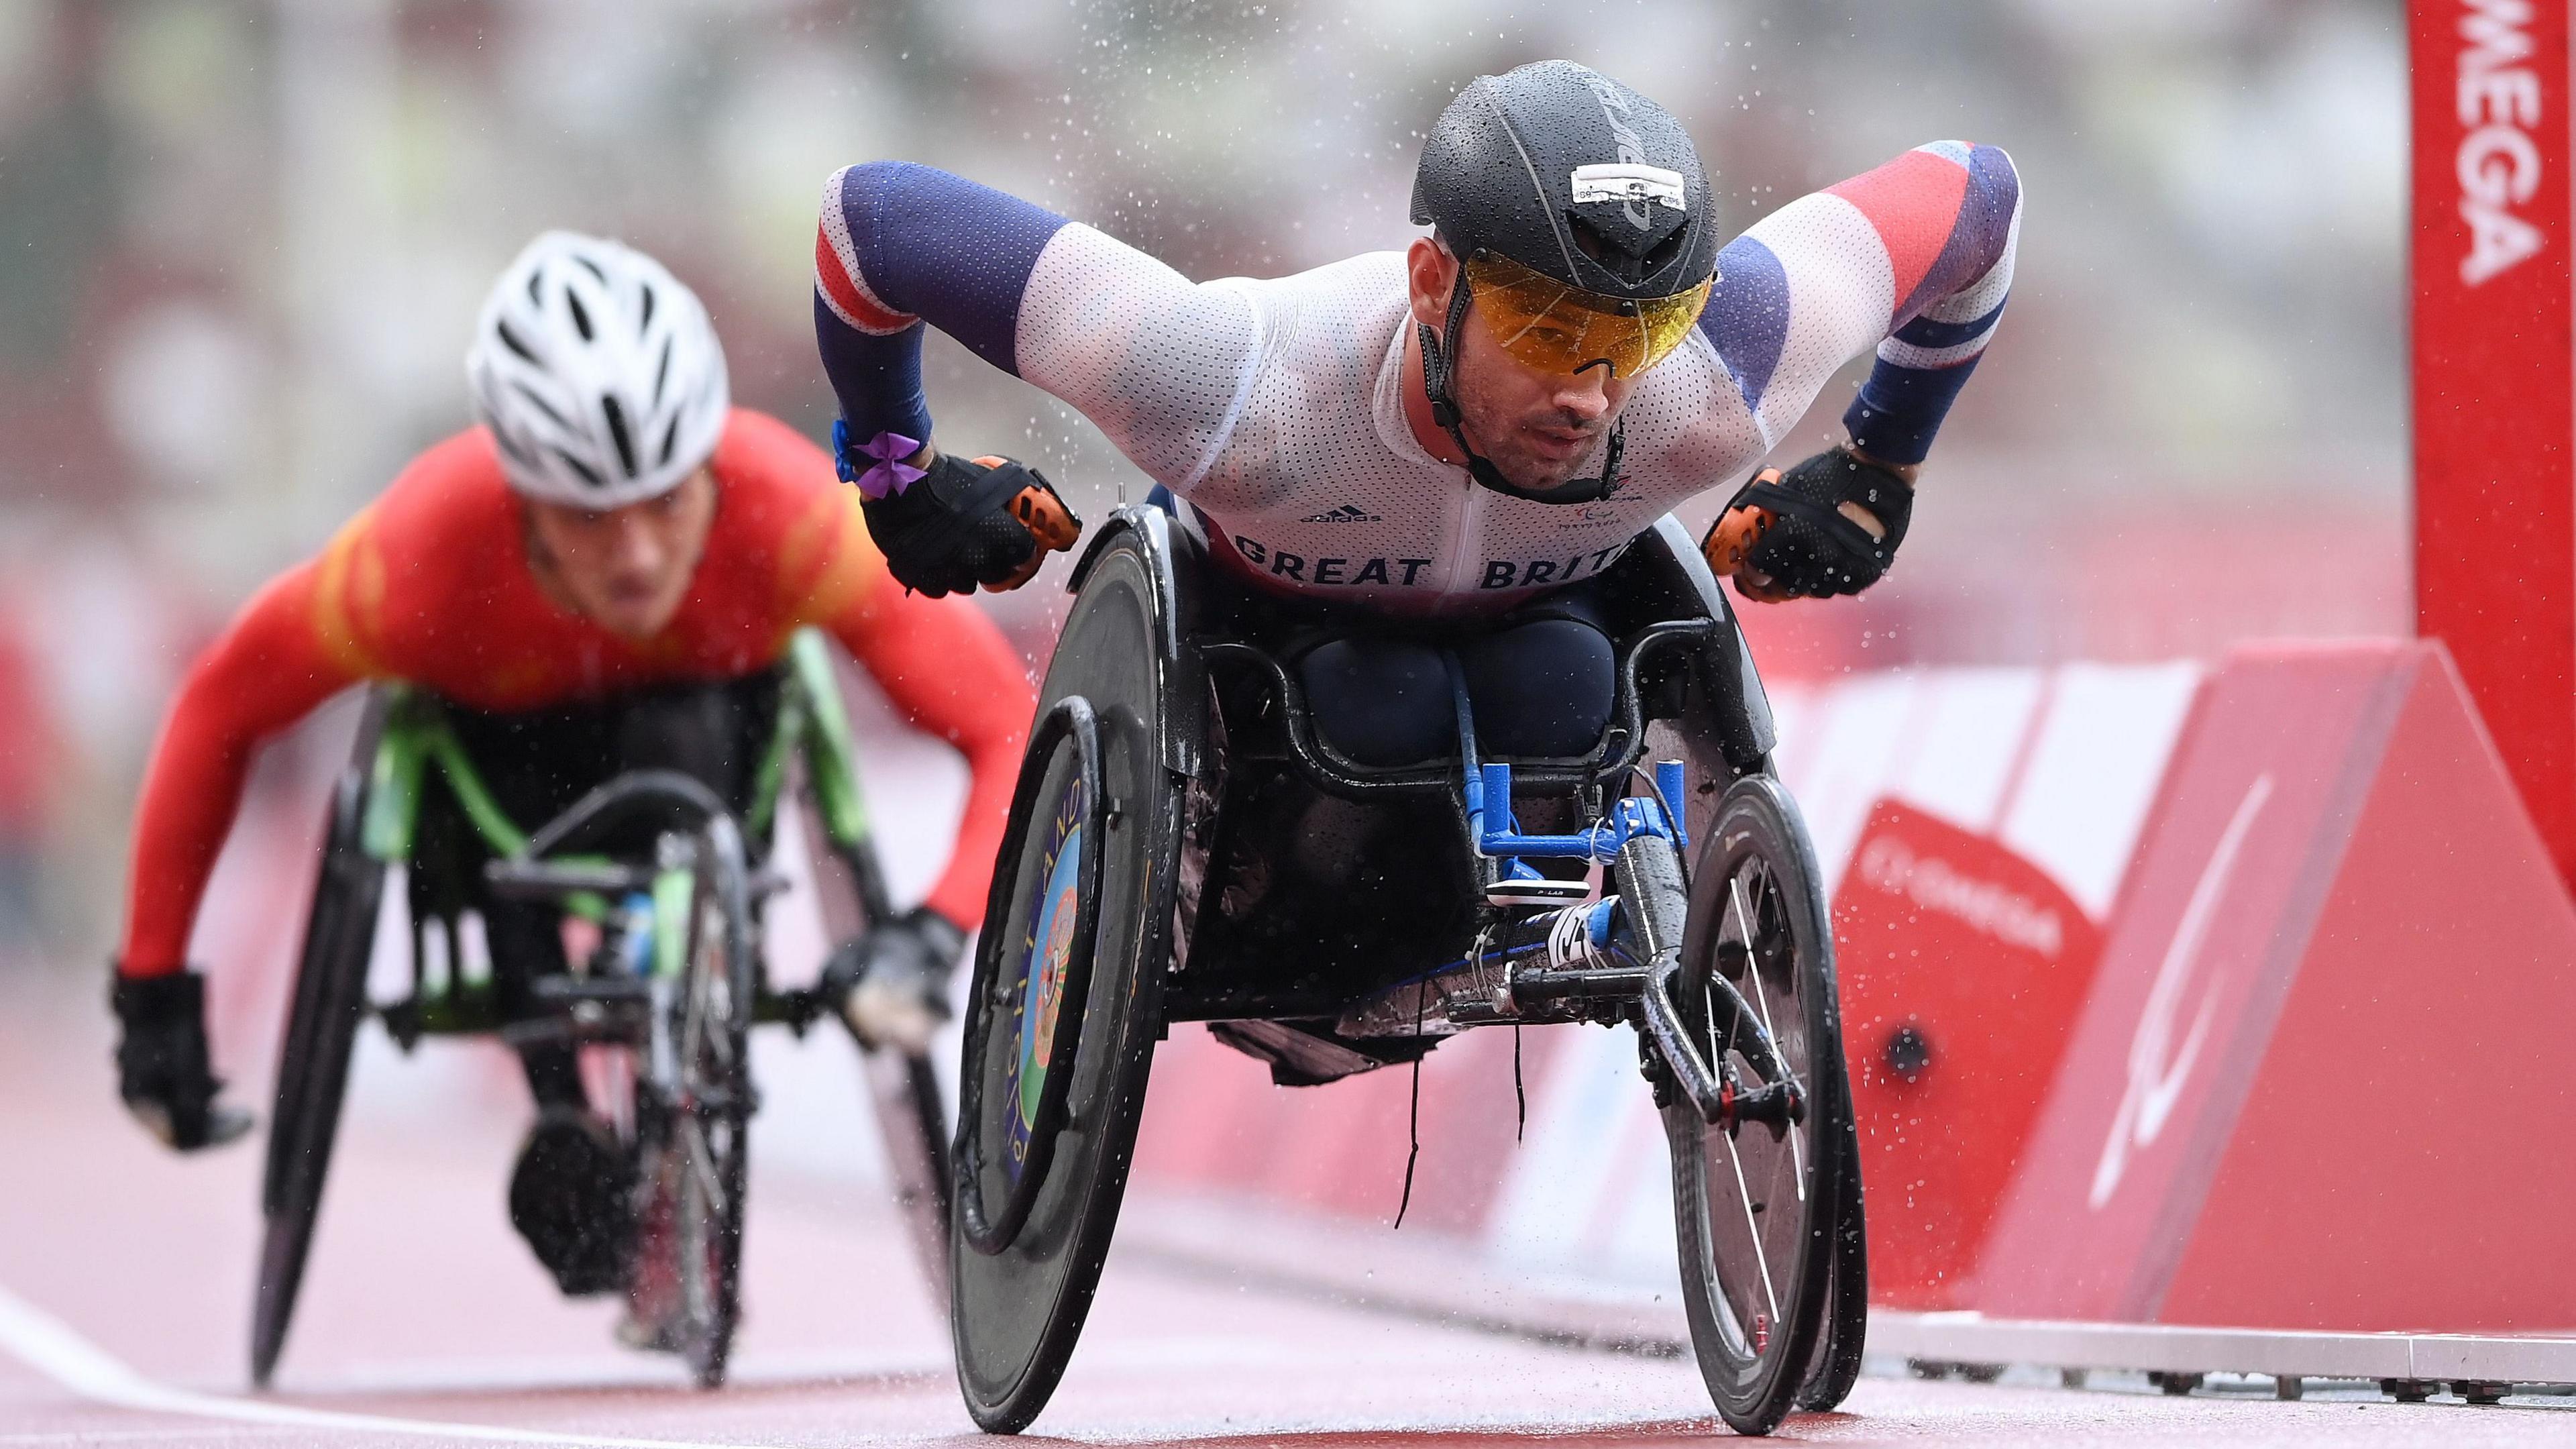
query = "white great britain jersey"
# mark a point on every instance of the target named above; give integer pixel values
(1274, 407)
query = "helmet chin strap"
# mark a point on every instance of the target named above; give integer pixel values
(1444, 411)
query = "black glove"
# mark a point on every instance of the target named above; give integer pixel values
(1811, 548)
(990, 521)
(891, 985)
(161, 1065)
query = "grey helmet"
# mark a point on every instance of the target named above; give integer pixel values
(1571, 174)
(1565, 172)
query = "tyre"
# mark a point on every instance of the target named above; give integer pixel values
(1834, 1367)
(1756, 1206)
(1065, 1005)
(704, 1117)
(313, 1061)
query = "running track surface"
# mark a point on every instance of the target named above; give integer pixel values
(125, 1293)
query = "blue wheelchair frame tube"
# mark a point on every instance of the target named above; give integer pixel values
(1629, 818)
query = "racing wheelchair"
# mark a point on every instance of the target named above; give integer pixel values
(663, 1002)
(1151, 874)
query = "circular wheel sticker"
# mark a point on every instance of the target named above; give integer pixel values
(1048, 952)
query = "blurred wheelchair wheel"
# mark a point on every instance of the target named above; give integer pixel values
(705, 1113)
(313, 1061)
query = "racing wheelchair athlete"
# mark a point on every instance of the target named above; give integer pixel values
(592, 631)
(1406, 650)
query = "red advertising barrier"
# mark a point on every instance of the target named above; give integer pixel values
(1962, 969)
(2321, 1079)
(2495, 500)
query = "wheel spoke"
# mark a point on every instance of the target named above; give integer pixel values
(1762, 996)
(702, 1088)
(700, 1162)
(1752, 1229)
(693, 1254)
(714, 972)
(1717, 1052)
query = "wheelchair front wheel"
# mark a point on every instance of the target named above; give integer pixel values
(313, 1061)
(1756, 1207)
(694, 1102)
(1835, 1366)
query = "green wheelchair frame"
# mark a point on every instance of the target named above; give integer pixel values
(405, 739)
(416, 742)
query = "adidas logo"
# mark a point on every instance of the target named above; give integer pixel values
(1347, 513)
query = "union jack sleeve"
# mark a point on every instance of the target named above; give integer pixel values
(1915, 256)
(898, 245)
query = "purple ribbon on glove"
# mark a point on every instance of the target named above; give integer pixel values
(890, 475)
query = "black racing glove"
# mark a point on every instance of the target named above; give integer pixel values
(1811, 548)
(990, 521)
(892, 984)
(161, 1063)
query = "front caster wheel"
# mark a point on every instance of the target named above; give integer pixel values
(1757, 1206)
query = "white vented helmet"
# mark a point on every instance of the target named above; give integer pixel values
(598, 373)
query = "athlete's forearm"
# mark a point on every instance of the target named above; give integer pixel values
(950, 673)
(1900, 408)
(992, 763)
(265, 672)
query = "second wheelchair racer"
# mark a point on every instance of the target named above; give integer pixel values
(598, 578)
(1442, 447)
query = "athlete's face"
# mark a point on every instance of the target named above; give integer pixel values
(625, 569)
(1537, 427)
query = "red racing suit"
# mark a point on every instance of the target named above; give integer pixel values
(431, 584)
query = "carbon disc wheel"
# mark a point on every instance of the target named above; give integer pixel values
(1755, 1206)
(1066, 1003)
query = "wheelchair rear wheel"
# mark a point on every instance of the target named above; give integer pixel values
(313, 1062)
(1756, 1207)
(1066, 1002)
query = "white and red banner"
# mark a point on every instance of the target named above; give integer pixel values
(2321, 1080)
(2229, 998)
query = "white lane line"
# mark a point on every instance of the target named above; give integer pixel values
(78, 1437)
(52, 1348)
(592, 1373)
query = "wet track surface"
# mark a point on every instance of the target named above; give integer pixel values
(125, 1294)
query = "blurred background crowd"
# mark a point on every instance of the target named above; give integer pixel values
(242, 243)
